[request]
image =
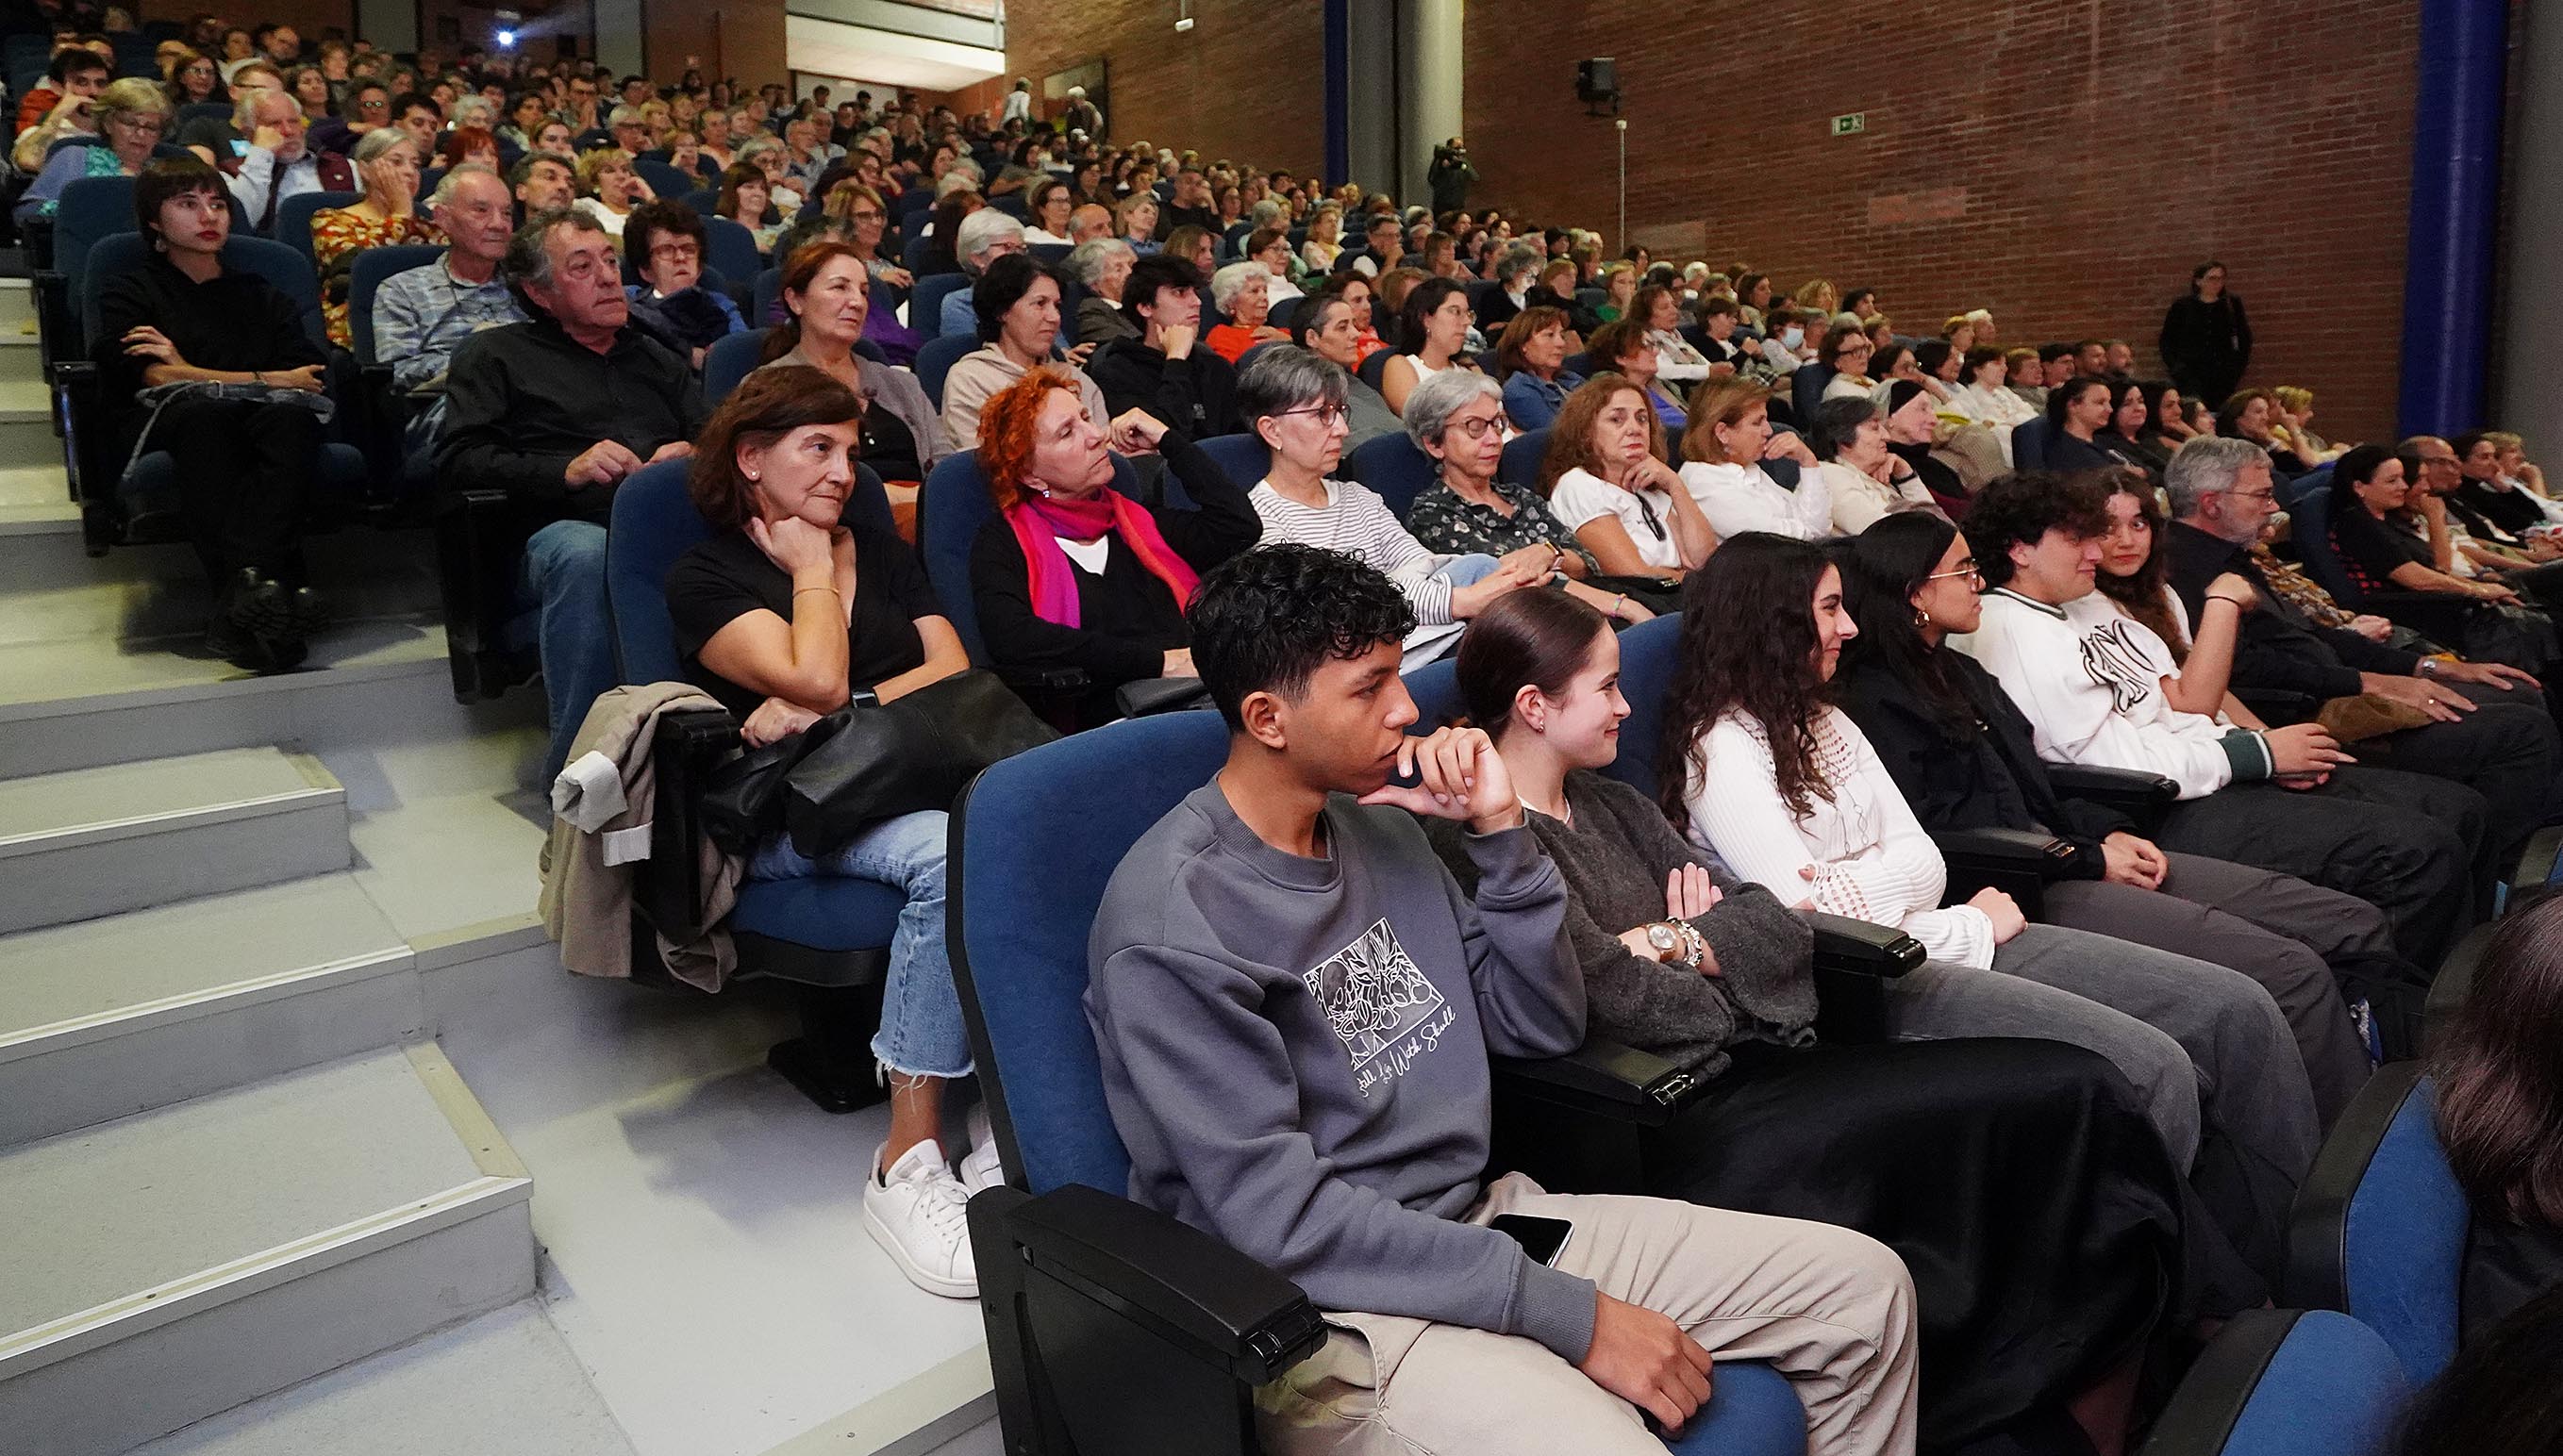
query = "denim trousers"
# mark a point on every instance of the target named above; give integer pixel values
(921, 1034)
(562, 581)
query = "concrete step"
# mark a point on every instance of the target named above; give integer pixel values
(17, 304)
(105, 841)
(171, 1266)
(117, 1015)
(52, 590)
(504, 1384)
(28, 442)
(26, 398)
(35, 500)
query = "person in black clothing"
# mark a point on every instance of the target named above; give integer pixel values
(556, 412)
(2205, 341)
(2497, 1113)
(1190, 206)
(1449, 176)
(2492, 733)
(1167, 370)
(2079, 413)
(2485, 496)
(2392, 571)
(1072, 573)
(244, 467)
(1911, 418)
(1964, 756)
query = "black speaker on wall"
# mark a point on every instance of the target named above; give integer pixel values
(1597, 83)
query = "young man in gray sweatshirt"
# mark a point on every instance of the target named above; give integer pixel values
(1294, 1005)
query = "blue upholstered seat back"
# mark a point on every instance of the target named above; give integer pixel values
(950, 509)
(1395, 468)
(2333, 1388)
(2404, 1250)
(729, 249)
(1246, 459)
(729, 362)
(1521, 465)
(936, 358)
(1037, 840)
(1435, 686)
(2029, 444)
(925, 311)
(293, 226)
(366, 277)
(1648, 654)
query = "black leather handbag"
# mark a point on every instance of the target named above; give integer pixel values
(869, 762)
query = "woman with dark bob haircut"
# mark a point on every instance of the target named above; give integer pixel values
(2500, 1113)
(1764, 771)
(2018, 1179)
(244, 465)
(789, 613)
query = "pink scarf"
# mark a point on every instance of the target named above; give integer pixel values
(1039, 523)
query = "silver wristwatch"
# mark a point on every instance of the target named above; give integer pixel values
(1675, 942)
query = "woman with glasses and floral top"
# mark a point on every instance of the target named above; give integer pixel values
(1458, 418)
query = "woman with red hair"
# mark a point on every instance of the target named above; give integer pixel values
(1075, 574)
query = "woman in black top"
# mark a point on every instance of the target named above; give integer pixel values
(1963, 753)
(2079, 413)
(790, 612)
(2017, 1179)
(2128, 420)
(2205, 341)
(244, 467)
(2500, 1114)
(1913, 417)
(1115, 577)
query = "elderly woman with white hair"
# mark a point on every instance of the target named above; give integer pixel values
(1103, 265)
(982, 238)
(1516, 274)
(1456, 417)
(387, 166)
(1243, 291)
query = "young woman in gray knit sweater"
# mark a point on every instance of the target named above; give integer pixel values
(2021, 1180)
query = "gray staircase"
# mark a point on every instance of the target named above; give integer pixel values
(99, 841)
(172, 1265)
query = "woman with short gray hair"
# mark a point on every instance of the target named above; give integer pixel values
(1456, 417)
(1103, 265)
(1516, 273)
(1293, 401)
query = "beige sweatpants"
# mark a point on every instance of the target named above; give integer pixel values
(1830, 1309)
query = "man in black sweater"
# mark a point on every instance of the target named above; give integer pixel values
(2493, 735)
(1167, 370)
(557, 412)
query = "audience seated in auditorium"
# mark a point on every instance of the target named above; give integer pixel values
(2254, 414)
(543, 182)
(608, 188)
(1847, 351)
(1786, 790)
(1272, 874)
(421, 315)
(1949, 1152)
(827, 302)
(1729, 438)
(385, 215)
(1863, 478)
(1103, 265)
(1244, 293)
(1070, 573)
(244, 467)
(1912, 422)
(785, 615)
(2498, 1111)
(131, 115)
(1434, 320)
(1962, 754)
(2078, 437)
(984, 237)
(1606, 480)
(1329, 326)
(1623, 348)
(1016, 304)
(2090, 678)
(1165, 369)
(1382, 248)
(1048, 205)
(556, 412)
(2369, 495)
(78, 77)
(1456, 417)
(1295, 401)
(1530, 360)
(663, 242)
(1981, 394)
(1134, 221)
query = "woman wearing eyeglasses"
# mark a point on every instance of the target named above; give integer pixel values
(1458, 418)
(130, 114)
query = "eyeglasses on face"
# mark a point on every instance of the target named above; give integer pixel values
(675, 253)
(1974, 574)
(1477, 427)
(1327, 416)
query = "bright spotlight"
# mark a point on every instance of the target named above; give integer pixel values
(506, 40)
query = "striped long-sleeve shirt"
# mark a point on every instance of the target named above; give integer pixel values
(1358, 523)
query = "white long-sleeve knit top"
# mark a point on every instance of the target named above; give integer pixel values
(1871, 858)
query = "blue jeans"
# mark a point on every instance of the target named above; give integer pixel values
(921, 1031)
(562, 579)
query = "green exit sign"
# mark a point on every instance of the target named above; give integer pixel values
(1851, 123)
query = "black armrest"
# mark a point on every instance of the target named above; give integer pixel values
(2535, 867)
(1041, 680)
(89, 452)
(687, 747)
(1176, 1279)
(2454, 982)
(2017, 862)
(478, 537)
(36, 233)
(2209, 1402)
(2140, 795)
(1861, 947)
(1602, 1079)
(57, 325)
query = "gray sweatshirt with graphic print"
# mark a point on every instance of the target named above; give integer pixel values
(1294, 1051)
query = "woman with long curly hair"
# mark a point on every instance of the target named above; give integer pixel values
(1767, 773)
(2500, 1113)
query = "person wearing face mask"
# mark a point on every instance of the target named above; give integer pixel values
(1072, 573)
(1863, 478)
(787, 612)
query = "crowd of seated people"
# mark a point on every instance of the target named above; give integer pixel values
(1887, 634)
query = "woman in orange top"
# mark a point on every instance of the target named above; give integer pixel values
(1243, 291)
(387, 167)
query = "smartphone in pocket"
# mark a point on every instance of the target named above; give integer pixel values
(1541, 1238)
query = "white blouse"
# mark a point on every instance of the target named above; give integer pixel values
(1740, 499)
(1581, 496)
(1871, 858)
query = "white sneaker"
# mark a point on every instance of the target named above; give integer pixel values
(982, 1169)
(915, 1216)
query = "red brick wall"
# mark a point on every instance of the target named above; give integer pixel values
(2062, 162)
(1246, 82)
